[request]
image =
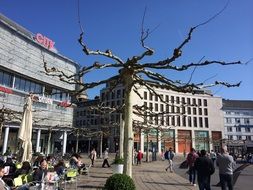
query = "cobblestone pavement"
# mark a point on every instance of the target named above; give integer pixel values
(152, 176)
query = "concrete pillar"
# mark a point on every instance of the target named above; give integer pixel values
(176, 141)
(6, 135)
(38, 141)
(159, 142)
(64, 143)
(193, 139)
(142, 141)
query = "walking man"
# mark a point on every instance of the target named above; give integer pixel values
(106, 157)
(169, 155)
(205, 168)
(226, 165)
(93, 156)
(213, 156)
(191, 158)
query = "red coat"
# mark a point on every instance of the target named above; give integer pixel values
(139, 155)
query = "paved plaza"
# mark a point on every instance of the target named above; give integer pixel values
(152, 176)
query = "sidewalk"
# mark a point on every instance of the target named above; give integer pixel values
(152, 176)
(147, 176)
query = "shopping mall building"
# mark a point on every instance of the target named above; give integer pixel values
(21, 72)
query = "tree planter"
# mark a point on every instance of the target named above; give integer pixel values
(118, 169)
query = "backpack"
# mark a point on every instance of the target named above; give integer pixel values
(166, 155)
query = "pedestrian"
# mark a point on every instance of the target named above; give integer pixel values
(191, 158)
(169, 155)
(226, 165)
(93, 156)
(3, 185)
(106, 157)
(139, 157)
(205, 168)
(135, 157)
(213, 156)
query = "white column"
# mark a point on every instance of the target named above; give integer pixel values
(142, 142)
(176, 141)
(159, 142)
(193, 139)
(6, 135)
(38, 141)
(64, 143)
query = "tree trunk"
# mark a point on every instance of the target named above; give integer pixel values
(147, 150)
(49, 142)
(101, 145)
(128, 128)
(121, 137)
(77, 142)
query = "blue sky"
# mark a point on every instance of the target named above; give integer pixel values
(116, 24)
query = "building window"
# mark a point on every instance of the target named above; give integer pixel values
(150, 106)
(150, 96)
(205, 102)
(173, 120)
(188, 110)
(228, 120)
(156, 97)
(168, 120)
(230, 137)
(162, 121)
(172, 99)
(6, 79)
(239, 137)
(194, 111)
(145, 95)
(229, 129)
(178, 121)
(161, 108)
(156, 107)
(200, 122)
(183, 110)
(113, 94)
(199, 102)
(237, 120)
(172, 109)
(248, 138)
(247, 129)
(246, 121)
(189, 121)
(206, 122)
(167, 108)
(194, 101)
(178, 109)
(195, 121)
(184, 121)
(200, 111)
(188, 101)
(205, 111)
(238, 129)
(167, 98)
(118, 93)
(177, 100)
(183, 100)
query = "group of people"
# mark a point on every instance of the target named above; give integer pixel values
(201, 166)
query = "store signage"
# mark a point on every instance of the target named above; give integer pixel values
(6, 90)
(64, 104)
(43, 40)
(43, 100)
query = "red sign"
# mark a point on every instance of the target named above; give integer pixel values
(43, 40)
(6, 90)
(64, 104)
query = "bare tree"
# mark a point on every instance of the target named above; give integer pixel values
(133, 73)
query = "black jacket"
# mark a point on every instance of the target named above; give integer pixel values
(204, 166)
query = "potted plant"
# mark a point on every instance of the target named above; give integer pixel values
(119, 182)
(118, 165)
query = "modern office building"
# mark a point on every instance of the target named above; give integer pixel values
(189, 120)
(21, 72)
(238, 122)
